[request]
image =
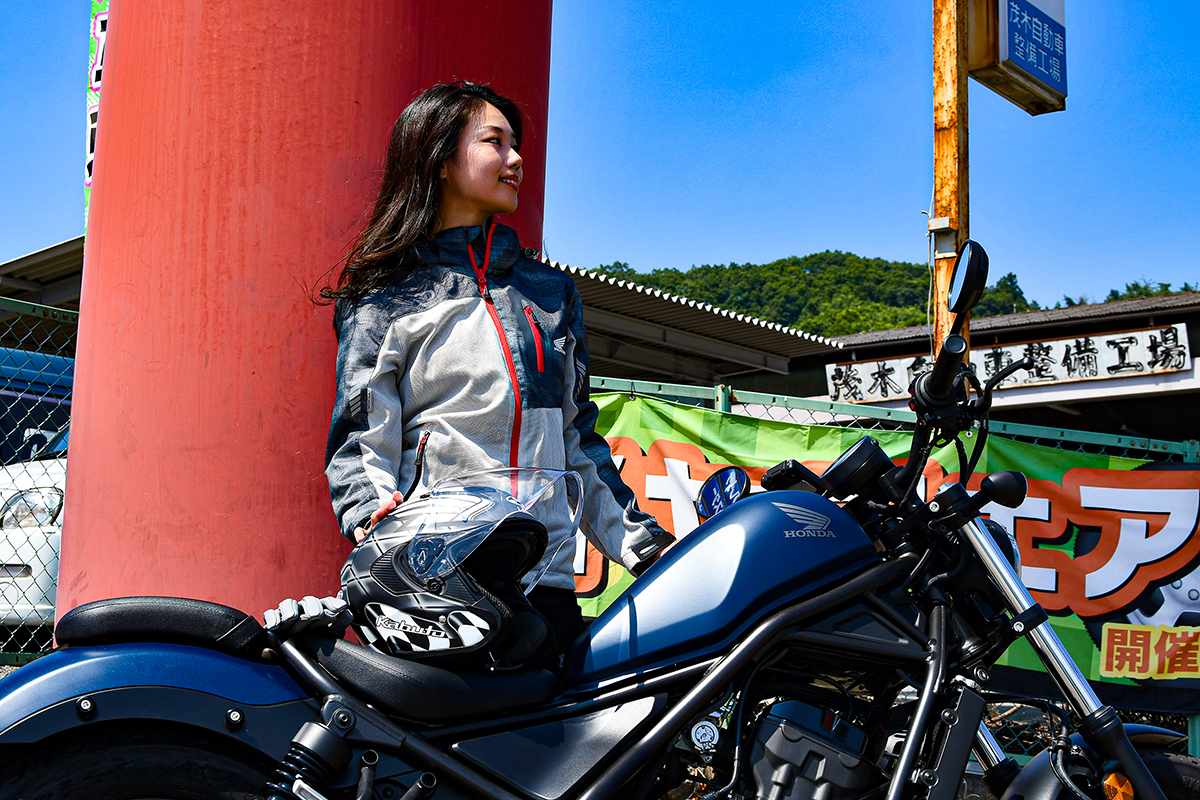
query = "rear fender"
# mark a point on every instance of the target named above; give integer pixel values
(258, 705)
(1036, 781)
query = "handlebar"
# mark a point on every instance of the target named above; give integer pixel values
(935, 387)
(985, 400)
(932, 391)
(935, 398)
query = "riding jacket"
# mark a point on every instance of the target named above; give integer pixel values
(484, 350)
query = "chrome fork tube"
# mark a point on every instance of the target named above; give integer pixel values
(987, 750)
(1045, 641)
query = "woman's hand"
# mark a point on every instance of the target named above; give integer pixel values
(329, 614)
(386, 507)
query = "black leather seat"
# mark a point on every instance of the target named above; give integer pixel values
(175, 620)
(405, 689)
(428, 694)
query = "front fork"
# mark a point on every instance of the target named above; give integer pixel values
(1101, 727)
(998, 769)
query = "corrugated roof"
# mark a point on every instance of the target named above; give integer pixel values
(700, 319)
(50, 276)
(638, 332)
(1051, 317)
(62, 263)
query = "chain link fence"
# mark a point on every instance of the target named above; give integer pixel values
(804, 411)
(807, 411)
(37, 362)
(1025, 730)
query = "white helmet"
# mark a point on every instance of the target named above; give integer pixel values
(439, 578)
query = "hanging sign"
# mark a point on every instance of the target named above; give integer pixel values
(1018, 48)
(1033, 41)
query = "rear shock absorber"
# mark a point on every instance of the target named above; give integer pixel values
(315, 754)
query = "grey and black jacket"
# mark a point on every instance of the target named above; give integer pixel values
(485, 350)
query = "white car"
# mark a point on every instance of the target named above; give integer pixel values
(31, 502)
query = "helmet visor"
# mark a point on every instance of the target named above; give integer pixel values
(457, 515)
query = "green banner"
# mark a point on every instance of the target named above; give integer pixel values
(1108, 545)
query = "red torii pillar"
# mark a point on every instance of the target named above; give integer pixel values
(239, 144)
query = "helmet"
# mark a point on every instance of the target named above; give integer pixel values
(439, 579)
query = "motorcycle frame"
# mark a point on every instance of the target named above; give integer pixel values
(709, 677)
(696, 685)
(374, 730)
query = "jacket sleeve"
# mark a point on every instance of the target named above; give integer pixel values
(611, 519)
(366, 436)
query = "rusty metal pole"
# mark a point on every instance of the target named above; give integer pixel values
(950, 185)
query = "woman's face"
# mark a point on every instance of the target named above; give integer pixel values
(482, 177)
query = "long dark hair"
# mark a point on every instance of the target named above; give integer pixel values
(426, 135)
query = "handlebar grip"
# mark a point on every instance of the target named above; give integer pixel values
(939, 385)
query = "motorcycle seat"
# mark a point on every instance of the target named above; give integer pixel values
(423, 693)
(405, 689)
(175, 620)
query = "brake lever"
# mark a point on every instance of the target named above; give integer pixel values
(985, 398)
(1025, 363)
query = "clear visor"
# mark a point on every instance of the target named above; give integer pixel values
(457, 515)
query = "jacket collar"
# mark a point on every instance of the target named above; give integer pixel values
(450, 247)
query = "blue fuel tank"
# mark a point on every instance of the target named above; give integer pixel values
(759, 554)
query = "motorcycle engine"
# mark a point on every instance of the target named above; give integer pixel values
(802, 752)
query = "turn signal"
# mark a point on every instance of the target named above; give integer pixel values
(1117, 787)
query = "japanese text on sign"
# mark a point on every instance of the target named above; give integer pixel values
(1036, 43)
(1112, 355)
(96, 48)
(1158, 653)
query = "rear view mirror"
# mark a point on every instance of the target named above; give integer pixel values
(1007, 489)
(721, 490)
(967, 282)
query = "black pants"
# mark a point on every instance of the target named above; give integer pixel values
(561, 609)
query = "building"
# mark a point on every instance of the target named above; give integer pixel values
(1127, 367)
(634, 332)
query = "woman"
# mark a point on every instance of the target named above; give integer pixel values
(458, 349)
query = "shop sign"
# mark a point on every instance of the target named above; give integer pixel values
(1122, 354)
(1018, 49)
(1034, 42)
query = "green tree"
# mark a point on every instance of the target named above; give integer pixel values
(621, 271)
(845, 315)
(1142, 288)
(1003, 297)
(820, 293)
(838, 294)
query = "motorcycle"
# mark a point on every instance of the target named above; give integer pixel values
(826, 639)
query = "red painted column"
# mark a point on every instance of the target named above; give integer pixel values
(239, 144)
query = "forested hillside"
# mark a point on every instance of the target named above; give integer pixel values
(835, 293)
(830, 293)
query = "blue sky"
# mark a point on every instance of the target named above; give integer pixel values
(686, 133)
(43, 94)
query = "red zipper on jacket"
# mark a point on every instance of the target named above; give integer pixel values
(537, 339)
(481, 276)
